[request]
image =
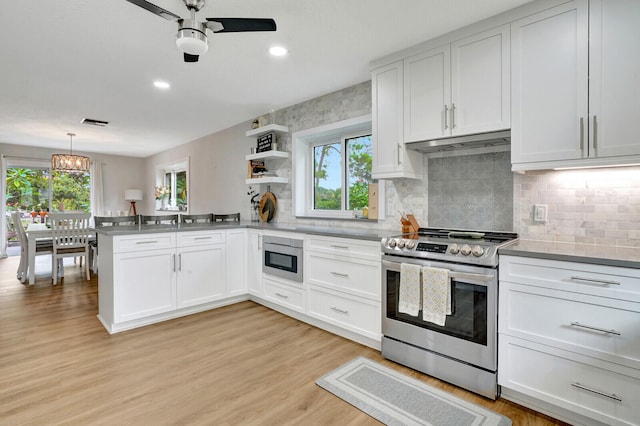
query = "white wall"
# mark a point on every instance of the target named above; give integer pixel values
(119, 173)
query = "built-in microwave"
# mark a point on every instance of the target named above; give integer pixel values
(282, 257)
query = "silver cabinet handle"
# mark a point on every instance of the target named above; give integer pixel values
(342, 311)
(284, 296)
(594, 281)
(588, 389)
(180, 262)
(202, 238)
(446, 112)
(340, 247)
(595, 132)
(146, 242)
(581, 133)
(453, 116)
(174, 262)
(339, 274)
(398, 153)
(590, 327)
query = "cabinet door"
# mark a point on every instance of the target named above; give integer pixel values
(254, 262)
(427, 95)
(614, 92)
(390, 159)
(236, 262)
(549, 52)
(144, 284)
(480, 83)
(201, 275)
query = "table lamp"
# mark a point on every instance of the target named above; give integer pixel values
(133, 195)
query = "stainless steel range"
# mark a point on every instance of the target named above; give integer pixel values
(463, 350)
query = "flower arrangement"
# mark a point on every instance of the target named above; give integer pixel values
(161, 192)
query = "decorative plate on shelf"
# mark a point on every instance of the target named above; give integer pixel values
(268, 206)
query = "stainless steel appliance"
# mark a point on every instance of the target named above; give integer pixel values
(282, 257)
(464, 350)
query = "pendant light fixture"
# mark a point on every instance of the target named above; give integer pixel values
(70, 162)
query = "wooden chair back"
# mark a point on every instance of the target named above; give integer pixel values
(193, 218)
(171, 219)
(233, 217)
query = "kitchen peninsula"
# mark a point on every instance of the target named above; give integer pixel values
(153, 273)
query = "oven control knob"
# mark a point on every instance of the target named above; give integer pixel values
(477, 251)
(400, 243)
(454, 249)
(465, 250)
(410, 244)
(392, 243)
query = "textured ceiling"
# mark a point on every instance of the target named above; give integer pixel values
(63, 60)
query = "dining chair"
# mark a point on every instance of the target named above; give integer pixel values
(71, 234)
(196, 218)
(42, 247)
(171, 219)
(233, 217)
(101, 221)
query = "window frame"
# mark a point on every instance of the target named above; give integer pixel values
(303, 166)
(171, 170)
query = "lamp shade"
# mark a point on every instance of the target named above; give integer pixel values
(133, 194)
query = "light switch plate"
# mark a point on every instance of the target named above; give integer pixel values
(539, 212)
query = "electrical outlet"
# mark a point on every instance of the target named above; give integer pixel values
(539, 212)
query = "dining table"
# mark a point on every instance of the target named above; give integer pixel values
(35, 232)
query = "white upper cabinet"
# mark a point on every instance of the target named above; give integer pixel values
(480, 83)
(390, 158)
(614, 77)
(574, 87)
(459, 88)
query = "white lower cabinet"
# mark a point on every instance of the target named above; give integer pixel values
(569, 338)
(254, 262)
(144, 284)
(201, 275)
(236, 262)
(288, 295)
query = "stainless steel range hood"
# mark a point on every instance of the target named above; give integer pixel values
(477, 140)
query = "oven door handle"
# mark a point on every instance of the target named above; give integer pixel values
(395, 266)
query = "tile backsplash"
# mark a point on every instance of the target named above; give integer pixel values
(592, 206)
(471, 192)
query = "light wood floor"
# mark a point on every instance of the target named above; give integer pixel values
(242, 364)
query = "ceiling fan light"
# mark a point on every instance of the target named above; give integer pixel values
(192, 41)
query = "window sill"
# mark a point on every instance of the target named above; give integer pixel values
(350, 219)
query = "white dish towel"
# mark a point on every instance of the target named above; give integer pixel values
(436, 295)
(409, 299)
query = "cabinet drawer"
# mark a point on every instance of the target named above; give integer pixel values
(189, 239)
(129, 243)
(282, 294)
(355, 276)
(554, 376)
(358, 315)
(341, 247)
(596, 326)
(598, 280)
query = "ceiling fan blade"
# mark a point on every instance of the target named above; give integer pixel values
(156, 10)
(236, 25)
(190, 58)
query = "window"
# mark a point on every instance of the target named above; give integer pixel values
(174, 177)
(340, 165)
(332, 169)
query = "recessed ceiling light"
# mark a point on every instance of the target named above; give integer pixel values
(278, 51)
(161, 84)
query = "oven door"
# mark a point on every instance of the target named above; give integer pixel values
(469, 333)
(282, 261)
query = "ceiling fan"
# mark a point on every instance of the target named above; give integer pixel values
(192, 34)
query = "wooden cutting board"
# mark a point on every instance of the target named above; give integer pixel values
(268, 206)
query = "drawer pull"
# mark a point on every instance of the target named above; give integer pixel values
(590, 327)
(592, 280)
(146, 242)
(608, 395)
(202, 238)
(339, 274)
(339, 247)
(342, 311)
(283, 296)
